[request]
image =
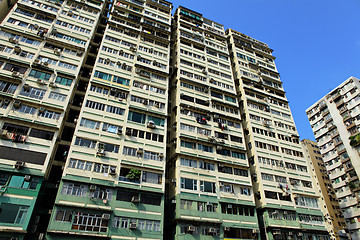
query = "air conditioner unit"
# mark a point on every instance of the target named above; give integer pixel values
(100, 151)
(27, 178)
(105, 216)
(277, 233)
(40, 81)
(140, 151)
(17, 104)
(204, 71)
(133, 49)
(19, 164)
(299, 234)
(226, 229)
(45, 63)
(37, 61)
(145, 102)
(135, 199)
(229, 206)
(132, 226)
(79, 53)
(92, 187)
(15, 74)
(209, 204)
(13, 40)
(191, 228)
(17, 49)
(41, 109)
(151, 124)
(57, 51)
(6, 102)
(157, 105)
(219, 147)
(173, 180)
(128, 131)
(212, 230)
(255, 231)
(26, 87)
(161, 155)
(112, 171)
(52, 85)
(290, 233)
(119, 131)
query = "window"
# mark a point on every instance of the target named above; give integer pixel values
(187, 183)
(26, 109)
(57, 96)
(7, 87)
(19, 182)
(33, 93)
(63, 81)
(41, 134)
(63, 215)
(85, 142)
(74, 189)
(89, 123)
(40, 75)
(50, 115)
(188, 162)
(207, 187)
(89, 222)
(151, 177)
(136, 117)
(13, 213)
(157, 121)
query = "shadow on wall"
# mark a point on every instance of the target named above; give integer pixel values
(5, 7)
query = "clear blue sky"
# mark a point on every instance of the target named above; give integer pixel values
(317, 43)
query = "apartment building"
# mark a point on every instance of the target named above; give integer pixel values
(42, 48)
(113, 181)
(334, 220)
(287, 204)
(210, 188)
(335, 123)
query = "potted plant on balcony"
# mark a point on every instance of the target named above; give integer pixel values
(355, 140)
(134, 175)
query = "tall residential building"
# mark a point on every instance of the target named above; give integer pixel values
(335, 123)
(334, 219)
(287, 205)
(113, 182)
(209, 187)
(43, 47)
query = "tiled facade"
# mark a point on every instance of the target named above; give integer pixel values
(334, 220)
(335, 123)
(287, 205)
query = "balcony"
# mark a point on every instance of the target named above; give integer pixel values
(338, 143)
(339, 103)
(341, 151)
(336, 96)
(350, 124)
(343, 109)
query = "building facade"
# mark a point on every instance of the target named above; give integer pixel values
(42, 52)
(113, 182)
(210, 190)
(334, 120)
(334, 220)
(287, 205)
